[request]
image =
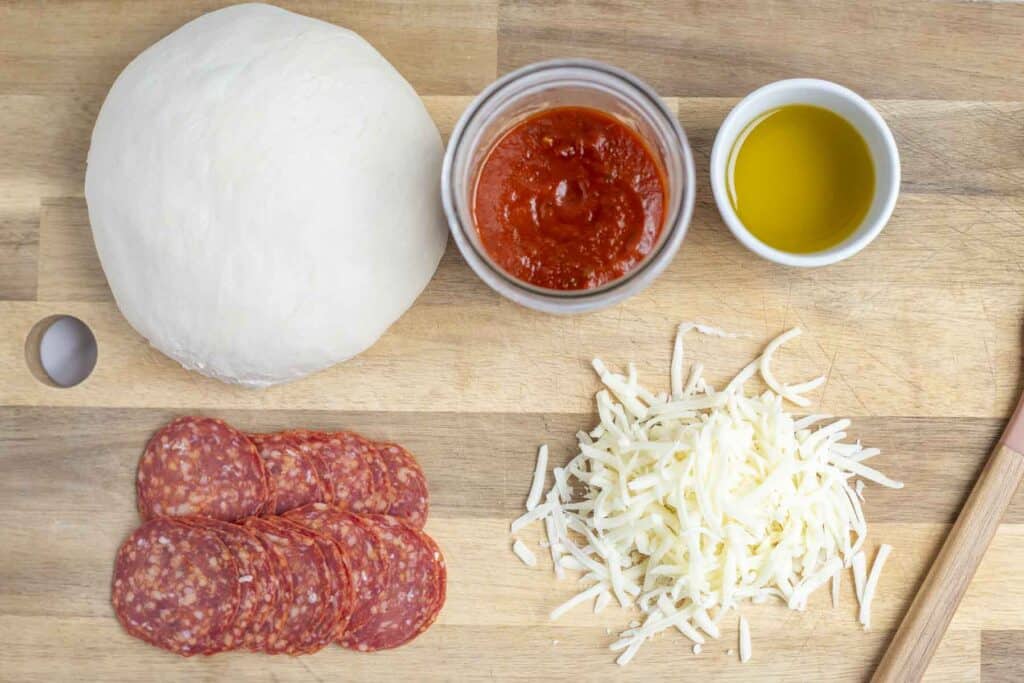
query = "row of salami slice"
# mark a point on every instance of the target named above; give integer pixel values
(204, 466)
(288, 584)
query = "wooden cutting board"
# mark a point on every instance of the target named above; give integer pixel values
(920, 337)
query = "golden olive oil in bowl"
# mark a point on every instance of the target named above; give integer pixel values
(800, 178)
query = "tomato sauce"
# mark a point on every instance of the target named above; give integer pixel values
(569, 198)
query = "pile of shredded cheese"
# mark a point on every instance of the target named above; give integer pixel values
(686, 505)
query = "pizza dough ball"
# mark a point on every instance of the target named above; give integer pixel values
(263, 189)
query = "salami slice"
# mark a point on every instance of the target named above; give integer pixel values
(278, 600)
(309, 444)
(383, 489)
(340, 587)
(200, 466)
(349, 471)
(175, 586)
(304, 629)
(293, 475)
(363, 548)
(410, 498)
(441, 579)
(256, 580)
(414, 591)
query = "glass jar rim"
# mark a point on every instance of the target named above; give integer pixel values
(569, 301)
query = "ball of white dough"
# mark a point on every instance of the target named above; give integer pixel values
(263, 189)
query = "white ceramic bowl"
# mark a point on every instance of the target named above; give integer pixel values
(851, 107)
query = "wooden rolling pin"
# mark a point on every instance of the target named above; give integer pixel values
(925, 623)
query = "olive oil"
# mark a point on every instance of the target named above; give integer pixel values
(801, 178)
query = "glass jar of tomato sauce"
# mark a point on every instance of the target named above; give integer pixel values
(591, 96)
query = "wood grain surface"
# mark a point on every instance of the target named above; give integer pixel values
(926, 622)
(920, 337)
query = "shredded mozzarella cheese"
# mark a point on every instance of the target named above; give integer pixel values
(859, 571)
(539, 472)
(578, 599)
(872, 584)
(745, 647)
(700, 500)
(524, 553)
